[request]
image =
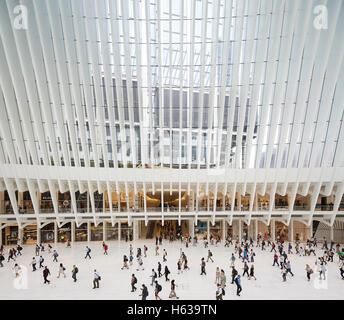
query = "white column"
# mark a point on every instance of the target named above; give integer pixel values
(256, 229)
(38, 234)
(240, 227)
(1, 235)
(135, 230)
(331, 234)
(88, 231)
(119, 231)
(291, 231)
(55, 232)
(191, 228)
(208, 230)
(73, 231)
(104, 230)
(272, 224)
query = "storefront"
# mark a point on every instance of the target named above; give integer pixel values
(47, 233)
(96, 232)
(64, 233)
(10, 235)
(126, 232)
(282, 231)
(111, 232)
(201, 230)
(81, 232)
(30, 234)
(216, 230)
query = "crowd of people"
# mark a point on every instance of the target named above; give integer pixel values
(241, 259)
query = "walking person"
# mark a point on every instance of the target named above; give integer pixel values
(133, 281)
(217, 276)
(55, 255)
(125, 262)
(158, 289)
(105, 247)
(46, 273)
(246, 268)
(223, 281)
(96, 279)
(252, 273)
(16, 269)
(41, 260)
(219, 292)
(144, 292)
(159, 269)
(88, 251)
(232, 260)
(179, 266)
(153, 276)
(210, 254)
(75, 270)
(288, 267)
(33, 263)
(173, 291)
(61, 270)
(203, 267)
(145, 250)
(309, 271)
(164, 255)
(238, 284)
(166, 273)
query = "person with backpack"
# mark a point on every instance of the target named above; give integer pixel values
(288, 266)
(75, 270)
(166, 273)
(133, 282)
(144, 292)
(61, 270)
(158, 289)
(234, 274)
(96, 279)
(238, 284)
(55, 255)
(203, 267)
(46, 273)
(210, 254)
(309, 271)
(33, 263)
(173, 291)
(88, 251)
(153, 276)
